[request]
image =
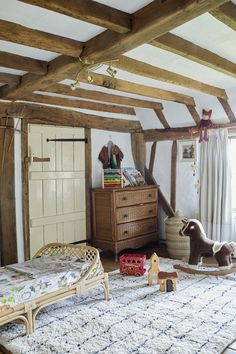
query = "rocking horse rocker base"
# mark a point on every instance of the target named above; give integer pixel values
(200, 245)
(206, 270)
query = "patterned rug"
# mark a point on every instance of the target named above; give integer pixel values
(200, 317)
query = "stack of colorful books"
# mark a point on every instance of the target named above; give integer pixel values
(112, 178)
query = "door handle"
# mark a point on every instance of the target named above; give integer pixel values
(41, 159)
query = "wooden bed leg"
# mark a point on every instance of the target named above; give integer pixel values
(106, 287)
(30, 321)
(29, 312)
(25, 321)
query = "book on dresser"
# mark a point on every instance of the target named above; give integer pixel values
(125, 217)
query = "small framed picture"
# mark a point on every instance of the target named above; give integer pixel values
(187, 151)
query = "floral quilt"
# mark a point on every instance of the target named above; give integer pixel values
(28, 280)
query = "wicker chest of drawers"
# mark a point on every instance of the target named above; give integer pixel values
(124, 218)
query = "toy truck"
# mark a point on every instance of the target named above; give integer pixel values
(132, 264)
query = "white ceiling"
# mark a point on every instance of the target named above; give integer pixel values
(126, 6)
(204, 31)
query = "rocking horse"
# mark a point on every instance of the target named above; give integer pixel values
(200, 246)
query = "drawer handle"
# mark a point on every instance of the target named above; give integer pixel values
(150, 211)
(150, 195)
(124, 198)
(125, 215)
(125, 232)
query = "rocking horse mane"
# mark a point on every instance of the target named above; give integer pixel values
(199, 225)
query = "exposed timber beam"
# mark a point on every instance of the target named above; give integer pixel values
(148, 23)
(81, 104)
(8, 238)
(18, 62)
(188, 50)
(179, 133)
(63, 116)
(9, 79)
(168, 134)
(58, 69)
(138, 147)
(89, 11)
(162, 201)
(129, 87)
(139, 68)
(16, 33)
(192, 110)
(226, 106)
(104, 97)
(173, 175)
(152, 157)
(162, 119)
(226, 13)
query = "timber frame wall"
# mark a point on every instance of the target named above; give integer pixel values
(8, 249)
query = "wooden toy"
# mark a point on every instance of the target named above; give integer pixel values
(201, 245)
(167, 281)
(154, 268)
(132, 264)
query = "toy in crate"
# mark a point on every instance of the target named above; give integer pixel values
(132, 264)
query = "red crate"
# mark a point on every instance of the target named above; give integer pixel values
(132, 264)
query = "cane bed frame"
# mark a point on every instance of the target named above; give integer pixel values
(94, 276)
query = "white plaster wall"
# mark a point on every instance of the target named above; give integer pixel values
(100, 138)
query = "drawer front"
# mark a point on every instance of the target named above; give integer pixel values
(132, 229)
(136, 197)
(136, 213)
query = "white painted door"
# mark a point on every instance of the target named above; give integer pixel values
(57, 207)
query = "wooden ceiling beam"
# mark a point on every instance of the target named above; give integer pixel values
(179, 133)
(139, 68)
(228, 110)
(192, 110)
(148, 23)
(191, 51)
(162, 119)
(129, 87)
(58, 69)
(18, 62)
(37, 113)
(81, 104)
(226, 13)
(9, 79)
(104, 97)
(16, 33)
(89, 11)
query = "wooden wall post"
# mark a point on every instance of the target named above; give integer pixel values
(152, 157)
(139, 151)
(88, 181)
(173, 175)
(8, 243)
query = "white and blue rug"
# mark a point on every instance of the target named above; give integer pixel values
(200, 317)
